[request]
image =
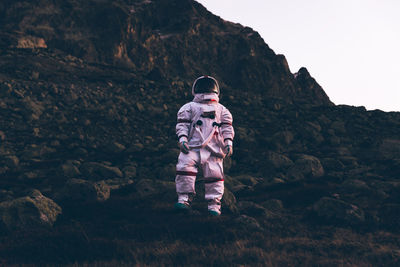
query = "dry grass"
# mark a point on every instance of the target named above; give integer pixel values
(117, 233)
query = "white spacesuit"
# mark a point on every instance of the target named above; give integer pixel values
(205, 136)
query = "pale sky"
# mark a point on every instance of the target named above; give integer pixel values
(351, 47)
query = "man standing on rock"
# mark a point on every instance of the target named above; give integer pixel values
(205, 136)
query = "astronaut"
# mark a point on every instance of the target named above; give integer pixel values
(205, 135)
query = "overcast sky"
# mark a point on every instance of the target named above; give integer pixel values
(351, 47)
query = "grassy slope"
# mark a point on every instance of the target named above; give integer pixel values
(125, 230)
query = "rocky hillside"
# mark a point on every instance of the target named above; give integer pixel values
(165, 40)
(89, 92)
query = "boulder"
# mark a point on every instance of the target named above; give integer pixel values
(306, 167)
(284, 137)
(312, 132)
(247, 223)
(33, 210)
(118, 183)
(140, 107)
(343, 151)
(99, 171)
(314, 125)
(349, 161)
(114, 147)
(70, 170)
(354, 186)
(322, 119)
(154, 110)
(231, 182)
(246, 179)
(338, 126)
(29, 41)
(33, 175)
(338, 211)
(332, 164)
(129, 171)
(6, 195)
(271, 181)
(84, 191)
(135, 148)
(11, 161)
(2, 136)
(279, 161)
(30, 152)
(33, 108)
(389, 149)
(387, 186)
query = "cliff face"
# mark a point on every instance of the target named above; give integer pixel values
(169, 39)
(89, 92)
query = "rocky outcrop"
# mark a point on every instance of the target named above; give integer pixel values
(160, 38)
(310, 87)
(31, 211)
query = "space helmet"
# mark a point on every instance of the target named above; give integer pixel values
(204, 85)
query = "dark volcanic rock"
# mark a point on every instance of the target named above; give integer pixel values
(157, 38)
(34, 210)
(334, 211)
(355, 186)
(279, 161)
(70, 169)
(82, 191)
(310, 87)
(95, 170)
(306, 166)
(129, 171)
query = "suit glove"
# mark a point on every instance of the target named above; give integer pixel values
(228, 150)
(184, 147)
